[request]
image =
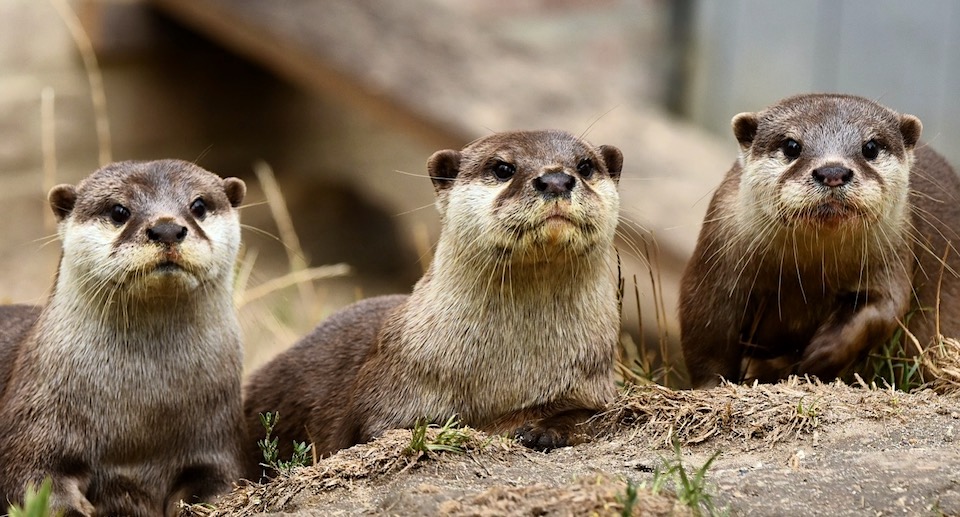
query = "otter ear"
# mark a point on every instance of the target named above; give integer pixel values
(235, 189)
(745, 129)
(62, 198)
(613, 159)
(443, 167)
(910, 128)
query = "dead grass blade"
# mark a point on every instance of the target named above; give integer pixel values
(376, 460)
(97, 95)
(288, 235)
(303, 276)
(772, 413)
(941, 362)
(48, 143)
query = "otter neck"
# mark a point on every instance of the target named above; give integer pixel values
(836, 256)
(112, 318)
(504, 305)
(501, 274)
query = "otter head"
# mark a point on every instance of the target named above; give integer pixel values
(148, 229)
(527, 196)
(823, 163)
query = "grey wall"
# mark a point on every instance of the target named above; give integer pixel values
(747, 54)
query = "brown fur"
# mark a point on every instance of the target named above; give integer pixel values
(805, 278)
(513, 328)
(124, 388)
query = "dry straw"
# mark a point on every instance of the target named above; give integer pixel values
(97, 95)
(374, 461)
(942, 364)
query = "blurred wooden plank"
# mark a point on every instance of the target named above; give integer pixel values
(416, 63)
(446, 76)
(311, 44)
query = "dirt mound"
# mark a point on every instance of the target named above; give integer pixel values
(792, 448)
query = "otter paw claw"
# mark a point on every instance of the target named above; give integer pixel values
(541, 438)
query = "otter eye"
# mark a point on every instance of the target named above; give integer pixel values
(503, 170)
(198, 208)
(791, 148)
(586, 168)
(119, 214)
(871, 150)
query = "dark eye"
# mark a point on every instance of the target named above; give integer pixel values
(198, 208)
(791, 148)
(504, 171)
(871, 150)
(119, 214)
(586, 168)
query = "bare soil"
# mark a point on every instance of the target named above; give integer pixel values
(794, 448)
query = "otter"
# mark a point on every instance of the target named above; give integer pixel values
(513, 328)
(124, 388)
(831, 227)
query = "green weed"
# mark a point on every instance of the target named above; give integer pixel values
(628, 499)
(449, 438)
(893, 364)
(811, 410)
(896, 366)
(270, 448)
(690, 487)
(36, 503)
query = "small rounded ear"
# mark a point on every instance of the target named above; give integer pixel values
(613, 159)
(443, 167)
(62, 198)
(910, 128)
(745, 129)
(235, 189)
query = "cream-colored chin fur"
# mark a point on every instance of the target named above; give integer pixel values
(765, 201)
(92, 262)
(473, 220)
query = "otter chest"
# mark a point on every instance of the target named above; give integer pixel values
(515, 360)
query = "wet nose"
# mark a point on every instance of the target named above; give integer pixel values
(167, 233)
(832, 176)
(554, 184)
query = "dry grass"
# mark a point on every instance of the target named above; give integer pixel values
(641, 362)
(388, 456)
(288, 236)
(941, 362)
(273, 319)
(94, 76)
(377, 460)
(768, 412)
(731, 416)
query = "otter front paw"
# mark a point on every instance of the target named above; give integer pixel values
(560, 430)
(824, 360)
(832, 349)
(540, 438)
(71, 504)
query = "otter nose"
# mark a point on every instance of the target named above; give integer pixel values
(167, 233)
(832, 175)
(554, 184)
